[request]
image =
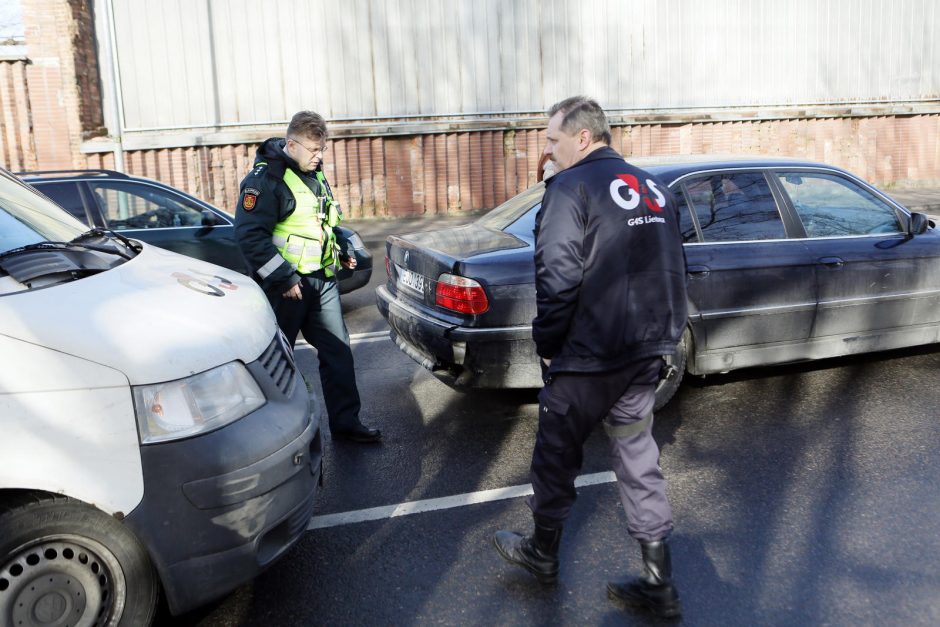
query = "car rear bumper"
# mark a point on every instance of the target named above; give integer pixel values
(463, 357)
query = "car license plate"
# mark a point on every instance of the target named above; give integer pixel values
(411, 280)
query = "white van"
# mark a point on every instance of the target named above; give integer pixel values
(154, 430)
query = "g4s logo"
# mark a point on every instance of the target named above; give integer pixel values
(209, 284)
(636, 192)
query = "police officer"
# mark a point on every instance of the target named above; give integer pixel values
(611, 301)
(285, 224)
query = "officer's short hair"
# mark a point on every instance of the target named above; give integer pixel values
(307, 124)
(583, 112)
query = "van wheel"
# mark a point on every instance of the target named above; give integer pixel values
(673, 370)
(63, 562)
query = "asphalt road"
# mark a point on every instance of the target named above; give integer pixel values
(803, 495)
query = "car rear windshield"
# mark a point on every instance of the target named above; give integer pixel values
(27, 217)
(510, 211)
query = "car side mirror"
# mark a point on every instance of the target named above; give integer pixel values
(208, 218)
(918, 224)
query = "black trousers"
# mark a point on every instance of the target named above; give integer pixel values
(319, 317)
(570, 406)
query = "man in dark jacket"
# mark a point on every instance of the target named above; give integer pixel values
(285, 224)
(611, 301)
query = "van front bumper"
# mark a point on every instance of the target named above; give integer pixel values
(220, 507)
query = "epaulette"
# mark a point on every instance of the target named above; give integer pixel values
(259, 169)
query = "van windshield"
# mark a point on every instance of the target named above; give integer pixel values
(27, 217)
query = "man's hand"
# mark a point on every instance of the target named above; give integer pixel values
(293, 293)
(349, 262)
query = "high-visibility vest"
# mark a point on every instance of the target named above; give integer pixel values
(306, 238)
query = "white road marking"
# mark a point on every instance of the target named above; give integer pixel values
(354, 338)
(446, 502)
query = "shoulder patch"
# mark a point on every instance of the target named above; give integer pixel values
(250, 198)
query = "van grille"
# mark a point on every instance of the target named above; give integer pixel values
(278, 362)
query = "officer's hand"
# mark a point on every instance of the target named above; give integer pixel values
(293, 293)
(349, 263)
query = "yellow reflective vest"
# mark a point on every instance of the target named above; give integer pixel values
(306, 238)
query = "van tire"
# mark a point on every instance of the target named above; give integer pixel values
(61, 558)
(667, 387)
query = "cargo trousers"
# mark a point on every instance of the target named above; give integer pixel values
(571, 404)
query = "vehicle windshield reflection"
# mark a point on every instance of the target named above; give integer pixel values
(514, 208)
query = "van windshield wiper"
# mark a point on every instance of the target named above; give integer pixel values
(108, 234)
(77, 244)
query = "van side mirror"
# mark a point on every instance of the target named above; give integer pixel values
(918, 224)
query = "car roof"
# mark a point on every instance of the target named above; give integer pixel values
(671, 167)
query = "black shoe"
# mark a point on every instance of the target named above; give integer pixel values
(359, 433)
(537, 553)
(653, 591)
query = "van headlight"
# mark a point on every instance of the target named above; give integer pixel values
(196, 404)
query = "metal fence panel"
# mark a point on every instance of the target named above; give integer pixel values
(212, 63)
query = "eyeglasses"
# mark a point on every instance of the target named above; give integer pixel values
(319, 151)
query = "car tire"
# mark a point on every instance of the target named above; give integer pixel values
(673, 371)
(65, 562)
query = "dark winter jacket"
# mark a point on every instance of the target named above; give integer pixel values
(610, 268)
(264, 200)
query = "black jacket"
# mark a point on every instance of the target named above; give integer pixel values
(609, 267)
(264, 200)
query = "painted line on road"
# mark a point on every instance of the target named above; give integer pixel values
(446, 502)
(355, 338)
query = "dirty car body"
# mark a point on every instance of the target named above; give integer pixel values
(787, 261)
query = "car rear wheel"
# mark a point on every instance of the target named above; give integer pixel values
(66, 563)
(673, 370)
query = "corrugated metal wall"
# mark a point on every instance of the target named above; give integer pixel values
(196, 63)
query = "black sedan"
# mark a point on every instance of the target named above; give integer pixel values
(787, 261)
(164, 216)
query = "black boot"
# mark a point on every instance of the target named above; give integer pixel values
(537, 553)
(652, 591)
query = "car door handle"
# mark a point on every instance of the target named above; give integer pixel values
(699, 271)
(831, 262)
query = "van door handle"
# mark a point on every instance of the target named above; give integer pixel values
(831, 262)
(699, 271)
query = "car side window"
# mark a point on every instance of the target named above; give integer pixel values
(67, 196)
(832, 206)
(686, 224)
(136, 206)
(735, 207)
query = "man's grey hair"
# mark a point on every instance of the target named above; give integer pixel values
(582, 112)
(307, 124)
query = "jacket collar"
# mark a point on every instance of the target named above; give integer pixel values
(601, 153)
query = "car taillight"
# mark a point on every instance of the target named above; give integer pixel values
(460, 294)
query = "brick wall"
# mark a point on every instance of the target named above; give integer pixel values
(17, 148)
(62, 78)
